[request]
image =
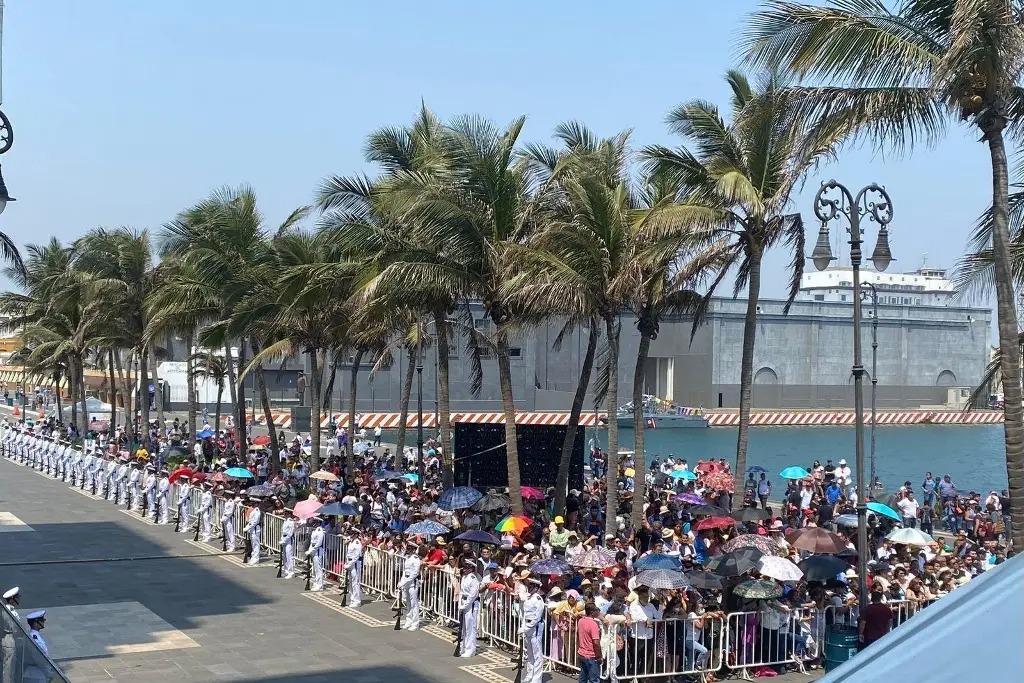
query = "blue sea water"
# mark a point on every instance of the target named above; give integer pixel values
(972, 455)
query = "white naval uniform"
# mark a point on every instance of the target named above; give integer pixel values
(354, 567)
(288, 548)
(122, 484)
(254, 528)
(227, 520)
(149, 490)
(409, 585)
(164, 496)
(8, 650)
(532, 631)
(111, 479)
(469, 609)
(315, 553)
(134, 494)
(205, 507)
(183, 507)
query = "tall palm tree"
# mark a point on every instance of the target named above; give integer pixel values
(744, 170)
(897, 77)
(212, 367)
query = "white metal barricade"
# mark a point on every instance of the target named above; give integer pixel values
(751, 641)
(439, 595)
(334, 557)
(676, 648)
(561, 651)
(500, 618)
(270, 535)
(381, 570)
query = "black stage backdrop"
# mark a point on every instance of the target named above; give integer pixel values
(480, 458)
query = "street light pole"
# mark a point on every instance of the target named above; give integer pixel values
(832, 202)
(874, 377)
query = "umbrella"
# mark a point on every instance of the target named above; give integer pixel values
(177, 452)
(657, 561)
(206, 434)
(595, 558)
(261, 491)
(816, 540)
(629, 471)
(99, 426)
(757, 469)
(707, 467)
(491, 502)
(427, 527)
(720, 481)
(910, 536)
(761, 543)
(712, 510)
(682, 474)
(779, 568)
(822, 567)
(551, 567)
(324, 475)
(261, 440)
(179, 473)
(661, 578)
(848, 520)
(338, 510)
(738, 562)
(307, 508)
(219, 477)
(386, 475)
(458, 498)
(794, 472)
(514, 523)
(531, 492)
(705, 580)
(238, 473)
(880, 509)
(690, 499)
(848, 553)
(749, 514)
(477, 536)
(758, 590)
(715, 523)
(199, 476)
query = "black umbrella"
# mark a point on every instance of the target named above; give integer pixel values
(847, 553)
(477, 536)
(749, 514)
(711, 510)
(738, 562)
(706, 580)
(491, 502)
(822, 567)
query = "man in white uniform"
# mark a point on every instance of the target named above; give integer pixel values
(315, 553)
(122, 483)
(227, 522)
(532, 631)
(254, 528)
(36, 622)
(164, 497)
(111, 478)
(409, 585)
(184, 490)
(354, 567)
(288, 546)
(469, 607)
(8, 647)
(206, 511)
(149, 491)
(134, 488)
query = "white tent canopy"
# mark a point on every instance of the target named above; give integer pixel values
(973, 634)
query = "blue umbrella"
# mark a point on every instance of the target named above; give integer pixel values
(261, 490)
(412, 476)
(238, 473)
(338, 510)
(427, 527)
(551, 566)
(880, 509)
(458, 498)
(477, 536)
(794, 472)
(206, 434)
(657, 561)
(683, 474)
(848, 520)
(756, 469)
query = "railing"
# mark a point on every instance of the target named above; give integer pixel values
(671, 647)
(20, 657)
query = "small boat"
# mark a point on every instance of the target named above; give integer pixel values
(661, 414)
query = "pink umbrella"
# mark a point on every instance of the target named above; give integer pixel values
(532, 492)
(307, 508)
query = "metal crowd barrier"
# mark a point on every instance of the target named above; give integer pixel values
(439, 595)
(500, 618)
(676, 647)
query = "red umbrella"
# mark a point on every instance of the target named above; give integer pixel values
(179, 473)
(532, 492)
(219, 477)
(199, 476)
(707, 467)
(261, 440)
(720, 481)
(715, 523)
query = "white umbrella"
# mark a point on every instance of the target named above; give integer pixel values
(779, 568)
(909, 536)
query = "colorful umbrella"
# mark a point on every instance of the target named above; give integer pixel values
(822, 567)
(703, 579)
(261, 440)
(690, 499)
(720, 481)
(595, 558)
(307, 508)
(427, 527)
(477, 536)
(514, 523)
(551, 567)
(338, 510)
(749, 514)
(707, 467)
(794, 472)
(532, 492)
(458, 498)
(779, 568)
(682, 474)
(758, 590)
(238, 473)
(179, 473)
(715, 523)
(761, 543)
(322, 475)
(880, 509)
(910, 536)
(657, 561)
(661, 578)
(738, 562)
(816, 540)
(710, 510)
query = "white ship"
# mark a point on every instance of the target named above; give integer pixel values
(661, 414)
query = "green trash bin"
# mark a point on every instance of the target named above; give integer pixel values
(840, 645)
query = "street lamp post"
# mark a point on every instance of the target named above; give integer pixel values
(874, 377)
(421, 468)
(834, 202)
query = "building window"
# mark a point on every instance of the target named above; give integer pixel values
(917, 302)
(842, 297)
(819, 297)
(906, 301)
(515, 352)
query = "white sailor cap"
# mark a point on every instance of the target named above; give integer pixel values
(12, 593)
(41, 614)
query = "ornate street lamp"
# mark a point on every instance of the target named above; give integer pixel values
(834, 202)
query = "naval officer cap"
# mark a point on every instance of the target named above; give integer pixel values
(36, 616)
(12, 593)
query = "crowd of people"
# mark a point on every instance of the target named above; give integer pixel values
(702, 586)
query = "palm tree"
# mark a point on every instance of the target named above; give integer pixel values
(213, 367)
(743, 172)
(897, 77)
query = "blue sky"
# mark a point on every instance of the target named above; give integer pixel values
(127, 111)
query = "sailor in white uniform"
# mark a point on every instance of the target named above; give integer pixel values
(354, 567)
(409, 585)
(36, 622)
(134, 490)
(121, 478)
(184, 518)
(288, 546)
(205, 511)
(469, 607)
(111, 474)
(315, 553)
(532, 630)
(163, 496)
(8, 647)
(149, 490)
(254, 527)
(227, 521)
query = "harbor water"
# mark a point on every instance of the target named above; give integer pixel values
(972, 455)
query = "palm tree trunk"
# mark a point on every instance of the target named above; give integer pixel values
(84, 413)
(190, 380)
(613, 328)
(515, 493)
(240, 414)
(158, 392)
(216, 412)
(144, 392)
(639, 459)
(314, 409)
(353, 391)
(229, 364)
(403, 416)
(569, 443)
(261, 384)
(444, 400)
(113, 389)
(1009, 348)
(72, 392)
(329, 391)
(58, 376)
(747, 365)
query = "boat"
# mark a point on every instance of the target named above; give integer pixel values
(661, 414)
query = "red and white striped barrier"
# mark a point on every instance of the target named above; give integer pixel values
(836, 418)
